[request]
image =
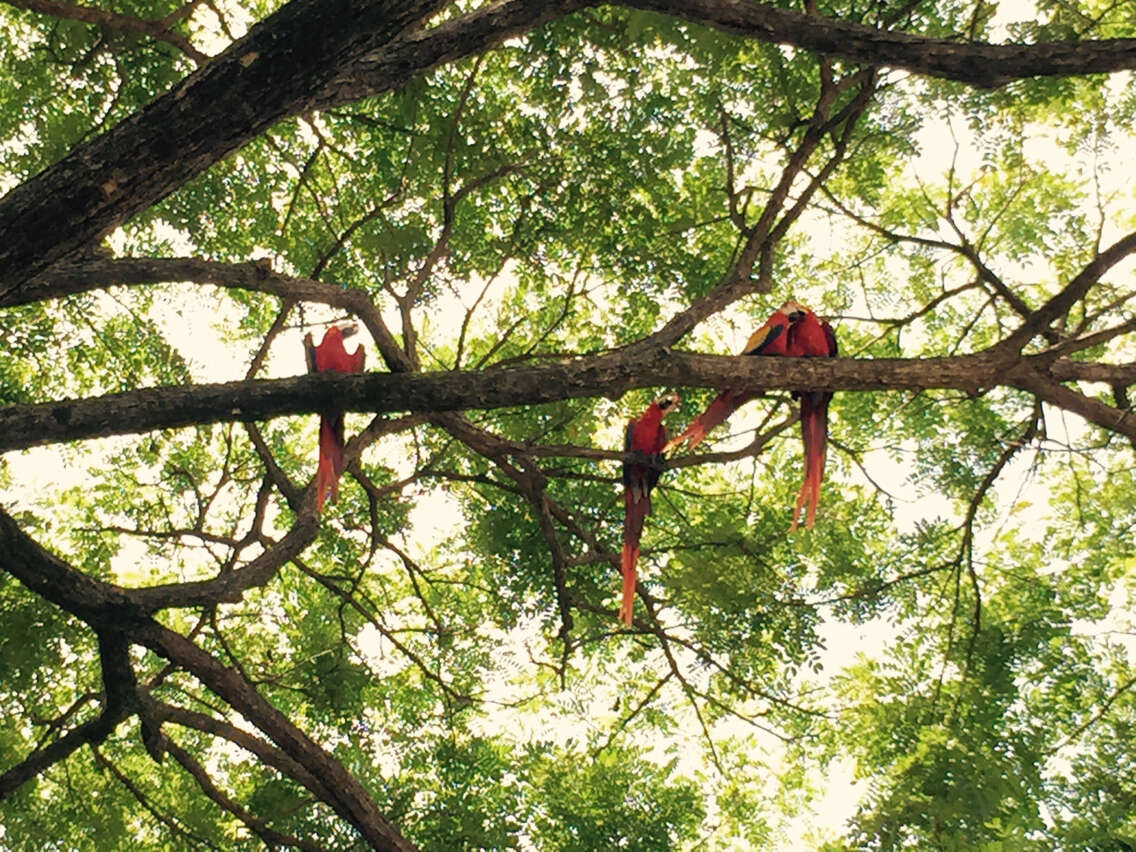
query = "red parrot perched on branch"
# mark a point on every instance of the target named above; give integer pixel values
(770, 339)
(811, 337)
(331, 355)
(645, 435)
(791, 331)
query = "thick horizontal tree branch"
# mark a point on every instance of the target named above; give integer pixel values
(73, 277)
(978, 64)
(606, 375)
(985, 66)
(1089, 371)
(84, 275)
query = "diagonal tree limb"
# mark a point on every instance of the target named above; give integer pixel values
(1095, 717)
(848, 117)
(270, 836)
(119, 620)
(55, 725)
(105, 607)
(1079, 344)
(758, 236)
(312, 55)
(292, 495)
(1040, 383)
(269, 74)
(265, 752)
(531, 483)
(761, 238)
(165, 819)
(348, 793)
(92, 731)
(1041, 319)
(635, 711)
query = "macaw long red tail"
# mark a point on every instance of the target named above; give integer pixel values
(330, 458)
(814, 434)
(635, 511)
(724, 404)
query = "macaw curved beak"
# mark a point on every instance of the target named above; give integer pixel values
(668, 403)
(795, 311)
(347, 330)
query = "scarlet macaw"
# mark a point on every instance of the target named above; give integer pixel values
(770, 339)
(331, 355)
(792, 331)
(645, 435)
(811, 337)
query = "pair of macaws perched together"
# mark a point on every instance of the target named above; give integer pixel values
(792, 331)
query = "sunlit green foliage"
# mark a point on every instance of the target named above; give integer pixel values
(564, 194)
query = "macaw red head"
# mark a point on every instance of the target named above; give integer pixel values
(795, 311)
(668, 402)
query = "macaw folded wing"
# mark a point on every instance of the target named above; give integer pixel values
(331, 355)
(645, 435)
(792, 331)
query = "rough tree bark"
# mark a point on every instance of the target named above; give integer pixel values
(985, 66)
(269, 74)
(314, 55)
(607, 375)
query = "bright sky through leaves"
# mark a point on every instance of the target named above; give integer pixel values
(536, 215)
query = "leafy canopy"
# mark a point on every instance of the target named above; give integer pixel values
(446, 632)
